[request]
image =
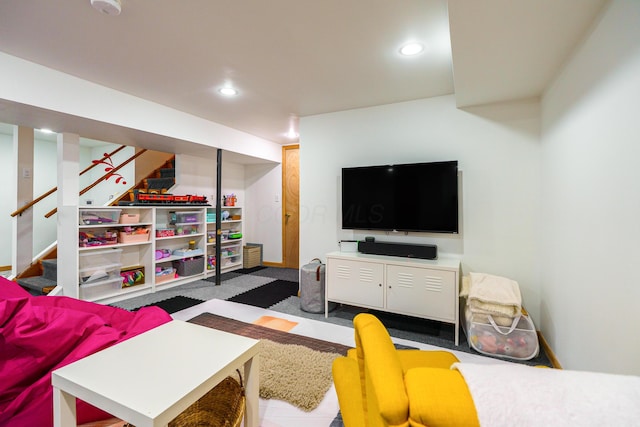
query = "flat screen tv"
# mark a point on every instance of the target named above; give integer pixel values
(407, 197)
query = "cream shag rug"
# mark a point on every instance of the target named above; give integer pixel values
(294, 373)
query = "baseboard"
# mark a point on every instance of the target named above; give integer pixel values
(273, 264)
(547, 349)
(5, 267)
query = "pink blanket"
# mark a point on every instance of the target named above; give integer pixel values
(41, 334)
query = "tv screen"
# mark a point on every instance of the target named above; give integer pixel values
(407, 197)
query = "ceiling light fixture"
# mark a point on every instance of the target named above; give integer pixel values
(228, 91)
(411, 49)
(45, 130)
(108, 7)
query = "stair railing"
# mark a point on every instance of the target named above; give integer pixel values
(103, 177)
(54, 189)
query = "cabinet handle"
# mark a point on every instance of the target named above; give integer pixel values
(380, 284)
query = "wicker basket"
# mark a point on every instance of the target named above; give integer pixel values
(251, 256)
(223, 406)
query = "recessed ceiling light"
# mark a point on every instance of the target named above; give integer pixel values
(228, 91)
(45, 130)
(411, 49)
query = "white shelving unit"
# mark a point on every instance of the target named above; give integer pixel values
(178, 230)
(96, 278)
(231, 240)
(175, 239)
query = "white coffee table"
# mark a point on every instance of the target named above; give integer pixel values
(151, 378)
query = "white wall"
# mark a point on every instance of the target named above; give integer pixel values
(499, 157)
(264, 208)
(109, 189)
(255, 186)
(591, 199)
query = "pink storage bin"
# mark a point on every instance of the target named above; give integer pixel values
(127, 218)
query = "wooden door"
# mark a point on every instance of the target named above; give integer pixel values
(291, 206)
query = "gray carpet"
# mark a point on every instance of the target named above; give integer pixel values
(240, 281)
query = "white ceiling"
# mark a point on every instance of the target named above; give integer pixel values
(295, 58)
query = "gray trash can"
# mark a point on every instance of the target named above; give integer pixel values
(312, 287)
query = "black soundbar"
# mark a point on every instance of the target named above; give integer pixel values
(399, 249)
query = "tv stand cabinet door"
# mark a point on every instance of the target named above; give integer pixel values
(422, 292)
(355, 282)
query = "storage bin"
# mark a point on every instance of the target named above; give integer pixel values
(518, 341)
(136, 236)
(186, 217)
(165, 232)
(186, 229)
(251, 256)
(99, 216)
(90, 238)
(99, 258)
(99, 273)
(129, 218)
(164, 275)
(188, 252)
(189, 267)
(132, 276)
(100, 289)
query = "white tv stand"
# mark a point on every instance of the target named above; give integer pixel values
(422, 288)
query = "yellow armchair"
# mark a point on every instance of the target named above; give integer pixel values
(377, 386)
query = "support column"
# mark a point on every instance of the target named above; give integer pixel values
(67, 216)
(22, 230)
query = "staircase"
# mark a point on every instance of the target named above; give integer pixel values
(159, 181)
(42, 285)
(41, 277)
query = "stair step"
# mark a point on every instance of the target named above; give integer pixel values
(37, 285)
(159, 183)
(50, 269)
(167, 173)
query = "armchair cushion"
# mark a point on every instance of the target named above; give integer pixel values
(438, 398)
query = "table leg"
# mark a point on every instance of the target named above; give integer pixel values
(252, 389)
(64, 408)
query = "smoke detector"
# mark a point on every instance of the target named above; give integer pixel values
(109, 7)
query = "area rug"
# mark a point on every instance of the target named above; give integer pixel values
(295, 374)
(293, 368)
(267, 295)
(174, 304)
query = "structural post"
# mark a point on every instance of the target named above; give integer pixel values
(22, 230)
(218, 213)
(67, 216)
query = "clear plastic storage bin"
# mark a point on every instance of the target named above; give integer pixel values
(101, 288)
(99, 258)
(100, 216)
(99, 273)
